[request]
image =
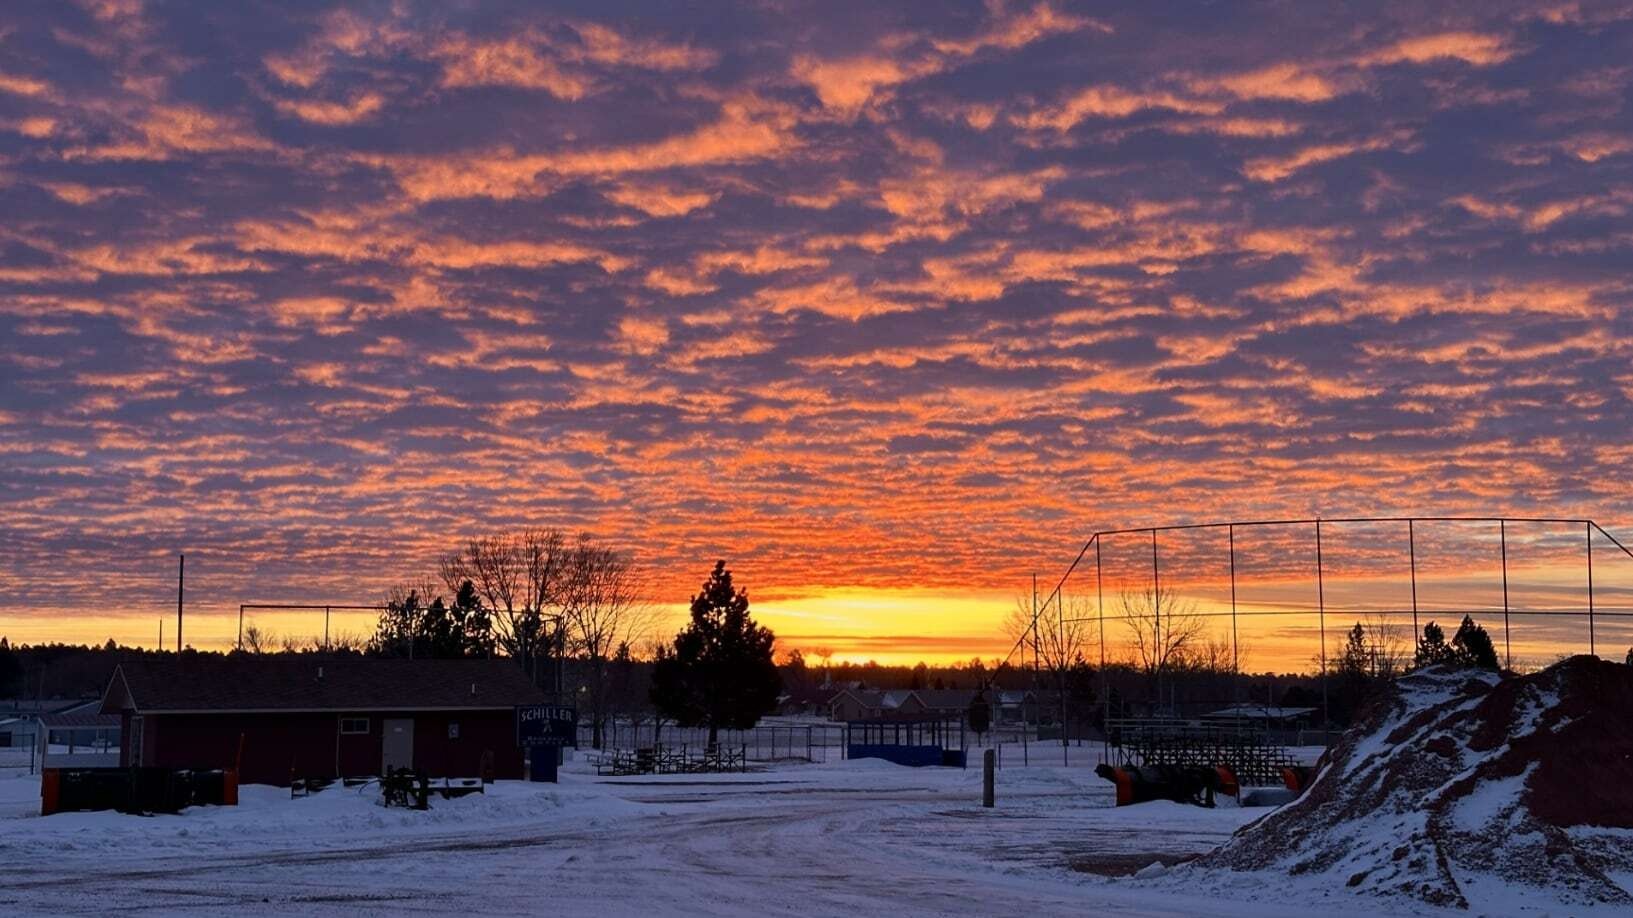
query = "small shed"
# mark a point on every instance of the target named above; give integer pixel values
(275, 719)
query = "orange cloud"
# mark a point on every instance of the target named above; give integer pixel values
(1109, 102)
(517, 61)
(1276, 168)
(22, 86)
(660, 201)
(363, 106)
(606, 46)
(1481, 50)
(1278, 81)
(1042, 21)
(744, 131)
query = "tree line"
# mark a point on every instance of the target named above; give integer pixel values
(542, 598)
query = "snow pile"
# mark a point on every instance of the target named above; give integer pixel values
(1462, 790)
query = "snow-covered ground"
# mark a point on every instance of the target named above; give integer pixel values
(854, 838)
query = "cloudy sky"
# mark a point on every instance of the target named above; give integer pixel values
(888, 304)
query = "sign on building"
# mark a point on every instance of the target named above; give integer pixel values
(546, 725)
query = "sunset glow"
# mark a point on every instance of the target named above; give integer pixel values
(890, 306)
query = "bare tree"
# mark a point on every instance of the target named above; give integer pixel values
(258, 641)
(521, 578)
(826, 655)
(1387, 647)
(603, 609)
(1165, 632)
(1057, 639)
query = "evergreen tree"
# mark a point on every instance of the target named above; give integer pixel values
(1432, 649)
(1354, 661)
(719, 671)
(408, 627)
(11, 671)
(470, 623)
(1471, 647)
(979, 714)
(1355, 680)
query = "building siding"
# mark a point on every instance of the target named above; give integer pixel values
(278, 746)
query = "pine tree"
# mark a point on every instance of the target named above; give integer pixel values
(1354, 661)
(11, 670)
(719, 671)
(1472, 648)
(1432, 649)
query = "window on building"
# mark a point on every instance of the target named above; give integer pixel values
(453, 731)
(354, 725)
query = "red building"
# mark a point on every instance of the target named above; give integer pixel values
(278, 718)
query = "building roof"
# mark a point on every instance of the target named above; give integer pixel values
(946, 698)
(85, 715)
(242, 684)
(1258, 712)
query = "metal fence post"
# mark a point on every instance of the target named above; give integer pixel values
(1592, 649)
(1412, 556)
(1508, 644)
(1321, 603)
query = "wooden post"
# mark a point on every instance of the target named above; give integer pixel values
(988, 763)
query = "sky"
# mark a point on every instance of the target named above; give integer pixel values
(888, 304)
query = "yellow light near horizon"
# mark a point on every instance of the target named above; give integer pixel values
(908, 625)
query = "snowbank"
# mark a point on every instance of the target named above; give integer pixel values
(1465, 791)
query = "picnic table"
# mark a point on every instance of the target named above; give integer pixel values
(662, 760)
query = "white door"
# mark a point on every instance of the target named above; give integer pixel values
(398, 744)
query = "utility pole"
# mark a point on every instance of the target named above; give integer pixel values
(181, 585)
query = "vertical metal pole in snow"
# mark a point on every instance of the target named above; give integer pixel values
(181, 584)
(1034, 631)
(1235, 641)
(1508, 646)
(1412, 556)
(988, 764)
(1592, 650)
(1321, 607)
(1159, 652)
(1105, 680)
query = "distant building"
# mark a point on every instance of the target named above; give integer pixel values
(80, 730)
(806, 701)
(909, 704)
(275, 719)
(1259, 715)
(21, 720)
(19, 731)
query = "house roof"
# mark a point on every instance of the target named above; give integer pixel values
(946, 698)
(84, 715)
(243, 684)
(895, 698)
(1258, 712)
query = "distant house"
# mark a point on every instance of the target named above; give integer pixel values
(20, 719)
(909, 704)
(1013, 706)
(80, 736)
(19, 731)
(856, 704)
(946, 702)
(275, 719)
(1266, 716)
(806, 701)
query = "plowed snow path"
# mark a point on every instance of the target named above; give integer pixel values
(863, 839)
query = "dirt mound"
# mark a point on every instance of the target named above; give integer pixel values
(1457, 784)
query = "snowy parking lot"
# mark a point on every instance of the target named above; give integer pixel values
(856, 838)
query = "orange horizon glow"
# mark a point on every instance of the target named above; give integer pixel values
(889, 307)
